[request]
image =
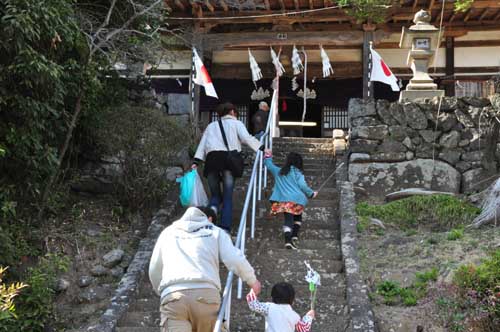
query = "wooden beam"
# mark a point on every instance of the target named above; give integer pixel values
(497, 17)
(196, 9)
(224, 6)
(467, 14)
(241, 70)
(483, 15)
(415, 3)
(450, 64)
(334, 15)
(209, 6)
(431, 5)
(222, 41)
(282, 5)
(180, 5)
(268, 6)
(452, 17)
(311, 4)
(297, 5)
(167, 6)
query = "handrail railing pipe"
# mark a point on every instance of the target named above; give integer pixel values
(259, 173)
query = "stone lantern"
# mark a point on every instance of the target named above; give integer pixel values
(421, 41)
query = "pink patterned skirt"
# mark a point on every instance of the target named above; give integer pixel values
(288, 207)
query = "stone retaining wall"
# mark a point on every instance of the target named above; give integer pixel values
(449, 147)
(360, 310)
(128, 286)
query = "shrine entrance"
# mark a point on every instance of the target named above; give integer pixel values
(290, 121)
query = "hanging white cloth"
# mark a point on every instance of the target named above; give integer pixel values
(254, 67)
(277, 64)
(296, 61)
(327, 67)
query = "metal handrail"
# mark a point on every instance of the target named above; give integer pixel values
(258, 180)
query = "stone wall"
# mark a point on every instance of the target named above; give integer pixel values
(450, 147)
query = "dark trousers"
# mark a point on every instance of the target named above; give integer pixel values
(225, 196)
(291, 219)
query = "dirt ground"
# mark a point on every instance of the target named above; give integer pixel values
(88, 228)
(391, 254)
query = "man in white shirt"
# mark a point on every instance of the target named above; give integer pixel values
(184, 271)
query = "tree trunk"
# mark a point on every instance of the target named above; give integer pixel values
(490, 206)
(62, 153)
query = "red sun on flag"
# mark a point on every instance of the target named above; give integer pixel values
(205, 76)
(387, 71)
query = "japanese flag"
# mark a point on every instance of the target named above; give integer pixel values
(381, 72)
(201, 76)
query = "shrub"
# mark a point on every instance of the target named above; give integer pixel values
(35, 304)
(455, 234)
(408, 296)
(437, 211)
(145, 141)
(481, 284)
(7, 295)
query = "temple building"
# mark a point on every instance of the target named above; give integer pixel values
(466, 62)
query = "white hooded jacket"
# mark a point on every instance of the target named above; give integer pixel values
(187, 254)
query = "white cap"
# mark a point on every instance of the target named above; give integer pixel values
(263, 105)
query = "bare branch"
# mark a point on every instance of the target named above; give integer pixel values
(116, 31)
(108, 17)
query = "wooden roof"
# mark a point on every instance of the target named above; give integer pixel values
(483, 15)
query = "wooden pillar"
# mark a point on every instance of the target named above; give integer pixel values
(450, 66)
(367, 38)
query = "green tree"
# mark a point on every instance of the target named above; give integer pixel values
(368, 11)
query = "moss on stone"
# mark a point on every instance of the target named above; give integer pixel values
(435, 211)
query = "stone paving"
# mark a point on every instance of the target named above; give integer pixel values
(319, 244)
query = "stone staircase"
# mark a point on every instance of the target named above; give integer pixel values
(319, 244)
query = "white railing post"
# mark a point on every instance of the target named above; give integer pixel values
(260, 177)
(242, 248)
(228, 311)
(254, 206)
(265, 168)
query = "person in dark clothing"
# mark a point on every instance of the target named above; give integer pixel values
(213, 151)
(259, 120)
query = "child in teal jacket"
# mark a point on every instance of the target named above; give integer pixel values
(290, 194)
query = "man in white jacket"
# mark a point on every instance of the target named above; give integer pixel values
(184, 271)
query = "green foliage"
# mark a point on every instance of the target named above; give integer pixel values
(463, 5)
(145, 142)
(472, 302)
(432, 240)
(362, 224)
(35, 304)
(425, 277)
(35, 73)
(436, 211)
(7, 295)
(481, 283)
(393, 293)
(371, 11)
(455, 234)
(450, 312)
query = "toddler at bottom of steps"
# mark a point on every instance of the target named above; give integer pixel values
(279, 315)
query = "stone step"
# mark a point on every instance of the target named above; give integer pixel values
(330, 308)
(308, 171)
(308, 154)
(145, 318)
(145, 304)
(138, 329)
(303, 140)
(304, 244)
(307, 232)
